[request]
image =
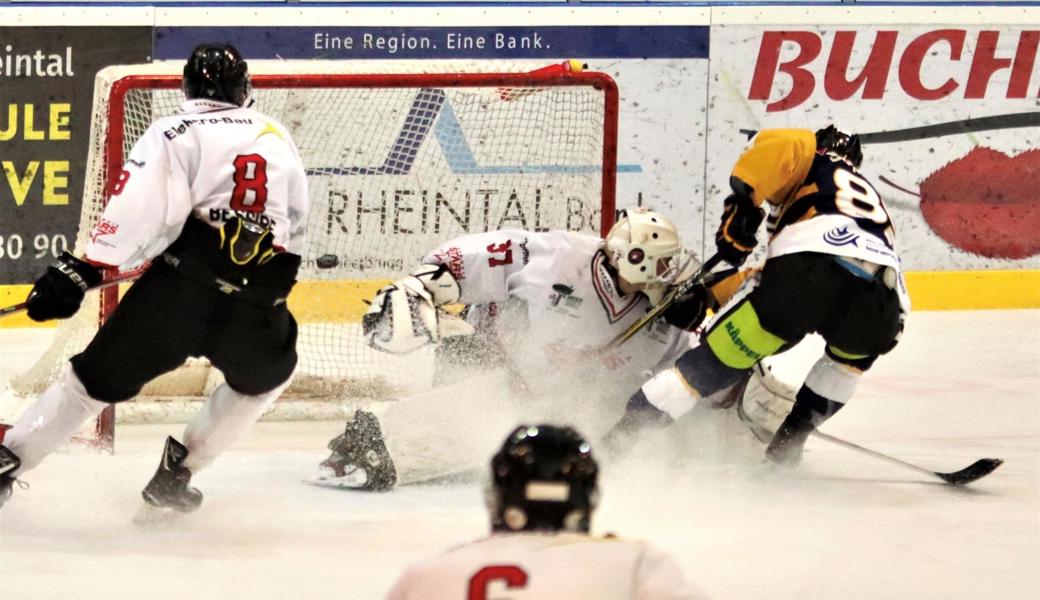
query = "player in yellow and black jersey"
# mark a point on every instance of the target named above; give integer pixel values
(831, 268)
(784, 171)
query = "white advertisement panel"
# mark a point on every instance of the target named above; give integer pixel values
(948, 114)
(660, 67)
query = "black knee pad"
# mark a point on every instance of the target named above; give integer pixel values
(103, 382)
(256, 384)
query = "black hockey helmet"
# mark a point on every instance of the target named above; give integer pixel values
(216, 72)
(543, 478)
(830, 139)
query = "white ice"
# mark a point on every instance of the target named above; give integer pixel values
(962, 385)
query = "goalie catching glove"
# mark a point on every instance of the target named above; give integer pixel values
(404, 315)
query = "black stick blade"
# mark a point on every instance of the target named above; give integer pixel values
(973, 472)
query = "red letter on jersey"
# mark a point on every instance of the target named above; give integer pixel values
(514, 577)
(250, 175)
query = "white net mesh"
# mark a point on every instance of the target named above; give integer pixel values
(393, 171)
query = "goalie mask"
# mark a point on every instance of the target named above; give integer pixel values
(216, 72)
(543, 478)
(645, 249)
(830, 140)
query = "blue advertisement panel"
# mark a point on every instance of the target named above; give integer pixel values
(534, 42)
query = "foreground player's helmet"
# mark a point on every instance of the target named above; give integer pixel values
(830, 139)
(543, 478)
(641, 246)
(216, 72)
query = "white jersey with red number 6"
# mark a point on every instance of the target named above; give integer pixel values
(549, 566)
(214, 161)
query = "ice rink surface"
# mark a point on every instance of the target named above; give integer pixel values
(961, 386)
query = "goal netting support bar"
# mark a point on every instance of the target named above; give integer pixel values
(400, 157)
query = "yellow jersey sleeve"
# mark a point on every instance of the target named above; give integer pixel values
(776, 163)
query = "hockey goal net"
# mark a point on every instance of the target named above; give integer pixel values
(397, 162)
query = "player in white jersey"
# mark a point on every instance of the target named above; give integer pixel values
(216, 197)
(831, 268)
(557, 300)
(541, 499)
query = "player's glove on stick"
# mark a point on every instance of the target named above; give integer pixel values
(689, 310)
(59, 293)
(737, 235)
(403, 316)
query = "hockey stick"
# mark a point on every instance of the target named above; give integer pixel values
(674, 294)
(122, 278)
(973, 472)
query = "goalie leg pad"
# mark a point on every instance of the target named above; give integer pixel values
(50, 421)
(827, 388)
(765, 402)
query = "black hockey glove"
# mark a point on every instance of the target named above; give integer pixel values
(59, 292)
(737, 235)
(688, 310)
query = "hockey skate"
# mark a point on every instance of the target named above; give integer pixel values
(9, 463)
(786, 447)
(620, 440)
(168, 493)
(621, 437)
(359, 458)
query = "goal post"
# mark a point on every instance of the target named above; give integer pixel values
(399, 159)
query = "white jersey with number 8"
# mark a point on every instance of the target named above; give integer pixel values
(214, 160)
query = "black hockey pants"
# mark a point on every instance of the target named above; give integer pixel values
(165, 318)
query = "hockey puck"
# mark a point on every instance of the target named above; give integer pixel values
(327, 261)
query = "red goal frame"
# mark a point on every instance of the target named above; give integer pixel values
(553, 76)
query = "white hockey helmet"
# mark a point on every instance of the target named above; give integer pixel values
(641, 246)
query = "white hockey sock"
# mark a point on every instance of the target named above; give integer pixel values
(669, 392)
(224, 417)
(833, 380)
(50, 421)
